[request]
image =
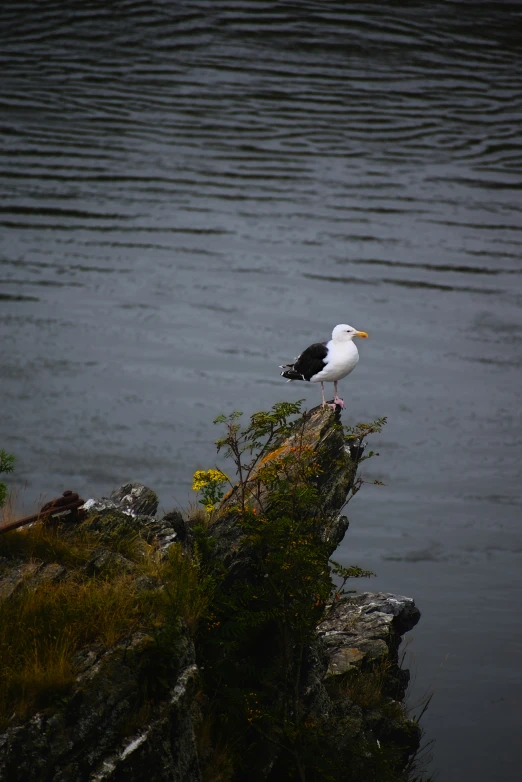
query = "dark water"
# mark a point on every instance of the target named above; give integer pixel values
(193, 192)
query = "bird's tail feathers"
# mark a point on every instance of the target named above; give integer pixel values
(291, 374)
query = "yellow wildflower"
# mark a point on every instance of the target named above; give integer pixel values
(209, 483)
(205, 477)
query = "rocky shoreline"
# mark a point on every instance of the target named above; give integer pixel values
(105, 729)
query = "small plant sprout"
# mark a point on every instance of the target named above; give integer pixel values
(353, 571)
(355, 439)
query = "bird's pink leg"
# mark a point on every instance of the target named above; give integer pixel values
(337, 399)
(322, 394)
(333, 404)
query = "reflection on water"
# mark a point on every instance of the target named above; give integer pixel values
(193, 192)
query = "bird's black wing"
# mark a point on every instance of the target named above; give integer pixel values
(309, 363)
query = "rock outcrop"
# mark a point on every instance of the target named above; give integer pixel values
(101, 732)
(364, 628)
(320, 429)
(88, 738)
(131, 509)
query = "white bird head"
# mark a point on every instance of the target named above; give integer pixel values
(344, 333)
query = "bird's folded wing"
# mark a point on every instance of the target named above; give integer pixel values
(312, 360)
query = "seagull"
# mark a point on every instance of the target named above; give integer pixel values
(327, 361)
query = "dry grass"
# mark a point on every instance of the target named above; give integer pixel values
(43, 628)
(45, 543)
(10, 509)
(69, 543)
(365, 686)
(196, 514)
(186, 593)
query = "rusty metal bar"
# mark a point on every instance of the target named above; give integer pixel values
(68, 502)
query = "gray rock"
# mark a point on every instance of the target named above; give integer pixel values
(47, 574)
(164, 532)
(89, 739)
(177, 524)
(16, 577)
(30, 576)
(139, 754)
(136, 499)
(104, 562)
(365, 627)
(133, 499)
(130, 510)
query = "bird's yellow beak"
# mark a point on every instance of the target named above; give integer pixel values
(361, 334)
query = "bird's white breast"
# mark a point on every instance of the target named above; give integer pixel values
(341, 359)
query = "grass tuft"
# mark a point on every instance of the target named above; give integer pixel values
(45, 543)
(43, 627)
(365, 686)
(186, 592)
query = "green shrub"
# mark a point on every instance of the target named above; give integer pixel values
(6, 465)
